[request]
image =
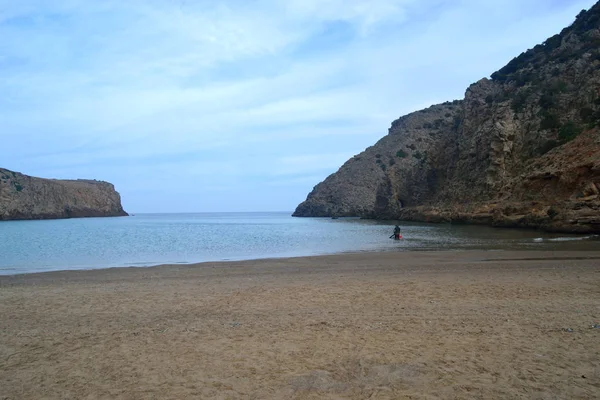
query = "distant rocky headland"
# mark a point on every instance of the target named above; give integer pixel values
(27, 197)
(522, 149)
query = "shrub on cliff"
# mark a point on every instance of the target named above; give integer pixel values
(549, 121)
(569, 131)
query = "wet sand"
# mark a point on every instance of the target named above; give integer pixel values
(419, 325)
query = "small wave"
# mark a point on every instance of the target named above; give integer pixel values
(569, 239)
(565, 239)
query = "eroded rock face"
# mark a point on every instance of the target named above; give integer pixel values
(26, 197)
(521, 149)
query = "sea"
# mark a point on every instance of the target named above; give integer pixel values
(150, 239)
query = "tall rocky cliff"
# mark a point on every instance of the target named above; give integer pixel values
(26, 197)
(521, 149)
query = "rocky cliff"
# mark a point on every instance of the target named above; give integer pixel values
(521, 149)
(26, 197)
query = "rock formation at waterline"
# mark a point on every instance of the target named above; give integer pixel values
(522, 149)
(27, 197)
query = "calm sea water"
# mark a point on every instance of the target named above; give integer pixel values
(150, 239)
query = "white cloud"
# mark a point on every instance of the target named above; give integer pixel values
(365, 14)
(305, 163)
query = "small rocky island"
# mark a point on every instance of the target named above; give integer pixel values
(27, 197)
(522, 149)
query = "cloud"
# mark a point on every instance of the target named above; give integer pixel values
(305, 163)
(235, 93)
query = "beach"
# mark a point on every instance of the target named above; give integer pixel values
(388, 325)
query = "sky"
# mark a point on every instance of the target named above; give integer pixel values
(238, 105)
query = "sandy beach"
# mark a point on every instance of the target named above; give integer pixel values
(418, 325)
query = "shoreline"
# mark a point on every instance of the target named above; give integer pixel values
(195, 263)
(542, 255)
(458, 324)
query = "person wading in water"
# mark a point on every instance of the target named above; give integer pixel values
(396, 235)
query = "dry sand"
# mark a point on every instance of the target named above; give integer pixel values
(489, 325)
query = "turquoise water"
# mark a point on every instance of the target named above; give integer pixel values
(150, 239)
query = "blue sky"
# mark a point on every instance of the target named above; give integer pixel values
(236, 105)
